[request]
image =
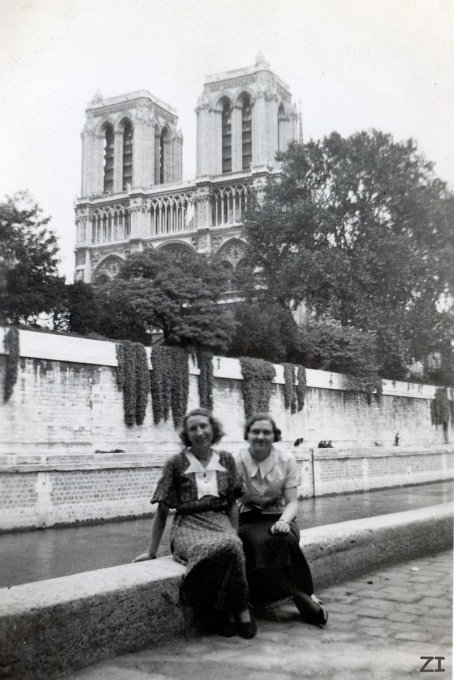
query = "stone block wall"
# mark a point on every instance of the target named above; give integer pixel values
(66, 454)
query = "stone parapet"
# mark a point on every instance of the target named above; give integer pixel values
(50, 627)
(48, 489)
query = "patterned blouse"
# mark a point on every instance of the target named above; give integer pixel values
(178, 489)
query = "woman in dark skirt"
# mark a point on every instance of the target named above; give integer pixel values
(275, 565)
(202, 485)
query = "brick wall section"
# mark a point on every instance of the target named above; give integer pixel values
(66, 408)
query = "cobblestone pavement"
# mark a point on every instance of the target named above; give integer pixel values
(380, 626)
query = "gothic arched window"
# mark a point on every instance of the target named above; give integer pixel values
(226, 137)
(127, 154)
(108, 157)
(281, 146)
(246, 132)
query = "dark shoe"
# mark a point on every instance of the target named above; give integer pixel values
(323, 617)
(247, 629)
(227, 628)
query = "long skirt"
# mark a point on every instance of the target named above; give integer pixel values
(275, 564)
(215, 577)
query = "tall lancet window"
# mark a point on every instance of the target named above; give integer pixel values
(281, 137)
(246, 132)
(127, 153)
(163, 143)
(108, 157)
(226, 137)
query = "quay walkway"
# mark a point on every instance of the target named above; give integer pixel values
(30, 556)
(390, 624)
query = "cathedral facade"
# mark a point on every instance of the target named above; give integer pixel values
(133, 195)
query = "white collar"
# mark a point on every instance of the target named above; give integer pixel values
(265, 466)
(196, 466)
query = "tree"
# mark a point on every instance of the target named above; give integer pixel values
(29, 282)
(82, 309)
(330, 347)
(265, 332)
(178, 294)
(361, 229)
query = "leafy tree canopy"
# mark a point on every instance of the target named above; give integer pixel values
(265, 332)
(29, 282)
(177, 294)
(361, 229)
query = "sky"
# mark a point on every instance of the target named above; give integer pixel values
(353, 65)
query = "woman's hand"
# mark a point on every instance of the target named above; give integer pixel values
(280, 527)
(144, 556)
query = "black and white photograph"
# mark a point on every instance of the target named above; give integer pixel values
(226, 339)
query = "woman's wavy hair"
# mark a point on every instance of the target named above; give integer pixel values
(218, 432)
(262, 416)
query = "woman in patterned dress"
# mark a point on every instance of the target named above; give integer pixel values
(275, 565)
(202, 485)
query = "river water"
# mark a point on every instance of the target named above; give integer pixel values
(29, 556)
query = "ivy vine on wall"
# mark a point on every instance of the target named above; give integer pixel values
(301, 387)
(169, 383)
(206, 380)
(133, 379)
(257, 384)
(439, 407)
(11, 343)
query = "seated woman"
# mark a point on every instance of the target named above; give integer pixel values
(275, 565)
(202, 485)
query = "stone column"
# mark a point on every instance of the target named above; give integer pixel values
(92, 160)
(202, 206)
(271, 104)
(142, 151)
(138, 217)
(203, 121)
(258, 130)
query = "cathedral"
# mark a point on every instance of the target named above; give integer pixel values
(132, 193)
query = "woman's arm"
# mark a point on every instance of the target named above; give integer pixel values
(157, 530)
(282, 526)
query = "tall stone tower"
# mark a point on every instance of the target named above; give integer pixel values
(129, 141)
(132, 193)
(244, 117)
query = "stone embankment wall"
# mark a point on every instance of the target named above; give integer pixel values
(67, 456)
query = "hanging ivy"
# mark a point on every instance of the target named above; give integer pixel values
(133, 379)
(257, 384)
(179, 383)
(439, 407)
(290, 395)
(142, 383)
(11, 343)
(160, 383)
(169, 383)
(206, 380)
(301, 387)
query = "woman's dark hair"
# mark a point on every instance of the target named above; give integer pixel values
(262, 416)
(218, 432)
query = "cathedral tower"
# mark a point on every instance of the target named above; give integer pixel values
(244, 117)
(132, 193)
(129, 141)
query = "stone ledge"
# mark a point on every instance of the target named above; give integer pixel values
(48, 462)
(50, 627)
